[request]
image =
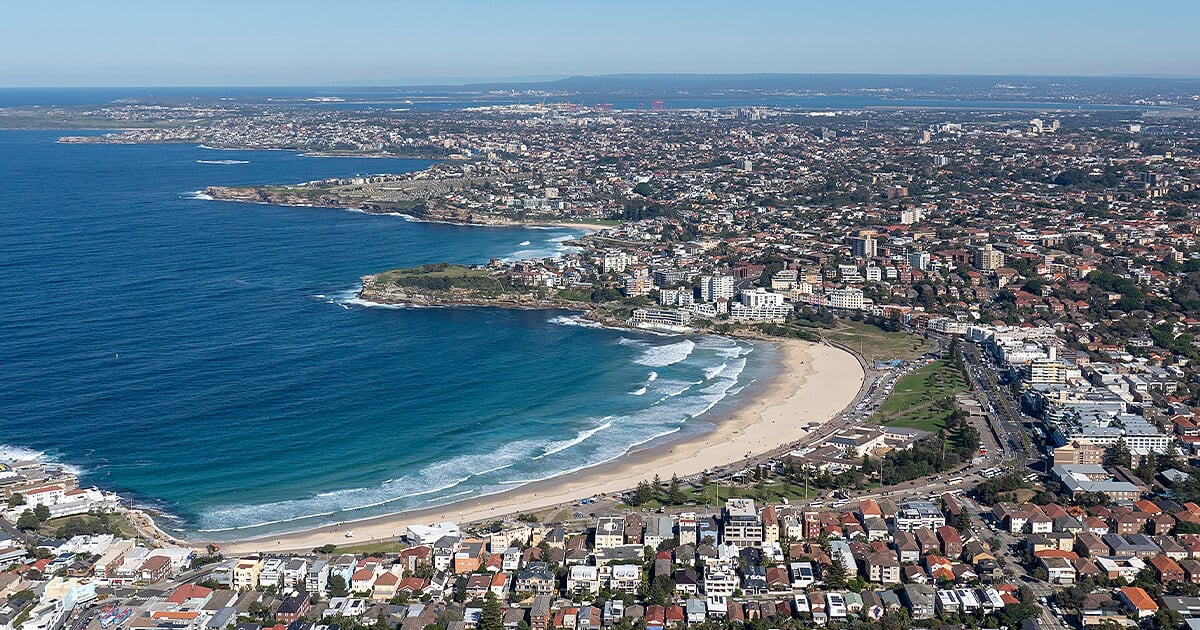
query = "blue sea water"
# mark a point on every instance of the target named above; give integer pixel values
(208, 357)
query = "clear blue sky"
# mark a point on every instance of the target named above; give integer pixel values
(303, 42)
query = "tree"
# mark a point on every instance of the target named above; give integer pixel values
(1187, 527)
(835, 575)
(964, 522)
(644, 493)
(1118, 455)
(259, 610)
(42, 512)
(460, 589)
(896, 620)
(337, 586)
(491, 618)
(16, 500)
(1165, 619)
(675, 495)
(1146, 470)
(28, 521)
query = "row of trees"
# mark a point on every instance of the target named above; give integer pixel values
(647, 491)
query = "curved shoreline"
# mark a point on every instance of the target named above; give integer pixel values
(816, 382)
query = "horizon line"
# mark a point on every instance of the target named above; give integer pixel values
(534, 80)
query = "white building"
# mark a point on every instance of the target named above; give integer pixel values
(740, 312)
(760, 297)
(846, 299)
(675, 297)
(719, 583)
(583, 579)
(713, 287)
(919, 260)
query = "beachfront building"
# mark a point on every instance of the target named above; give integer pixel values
(610, 532)
(742, 526)
(714, 287)
(246, 572)
(760, 305)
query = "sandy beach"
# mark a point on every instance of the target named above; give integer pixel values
(590, 227)
(816, 383)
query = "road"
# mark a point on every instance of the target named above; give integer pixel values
(1007, 420)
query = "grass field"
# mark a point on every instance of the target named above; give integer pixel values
(436, 270)
(771, 491)
(912, 401)
(876, 344)
(123, 527)
(372, 548)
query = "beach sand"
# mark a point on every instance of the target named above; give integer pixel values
(592, 228)
(816, 383)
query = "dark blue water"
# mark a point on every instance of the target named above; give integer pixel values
(208, 356)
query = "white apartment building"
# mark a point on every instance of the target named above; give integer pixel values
(713, 287)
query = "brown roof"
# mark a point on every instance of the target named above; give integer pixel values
(1138, 598)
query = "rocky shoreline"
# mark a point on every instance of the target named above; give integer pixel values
(407, 296)
(320, 198)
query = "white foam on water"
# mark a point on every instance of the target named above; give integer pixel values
(432, 482)
(233, 518)
(13, 453)
(554, 247)
(223, 162)
(670, 354)
(197, 194)
(671, 388)
(574, 320)
(528, 460)
(579, 438)
(650, 378)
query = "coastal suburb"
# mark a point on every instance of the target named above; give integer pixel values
(981, 300)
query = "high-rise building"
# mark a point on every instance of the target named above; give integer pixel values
(908, 216)
(864, 247)
(713, 287)
(988, 258)
(919, 260)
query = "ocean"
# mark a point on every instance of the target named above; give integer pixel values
(209, 360)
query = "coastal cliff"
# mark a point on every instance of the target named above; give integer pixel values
(324, 197)
(443, 284)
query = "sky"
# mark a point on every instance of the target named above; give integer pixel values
(51, 43)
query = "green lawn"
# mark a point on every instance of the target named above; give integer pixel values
(876, 344)
(435, 270)
(116, 524)
(771, 491)
(912, 402)
(372, 548)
